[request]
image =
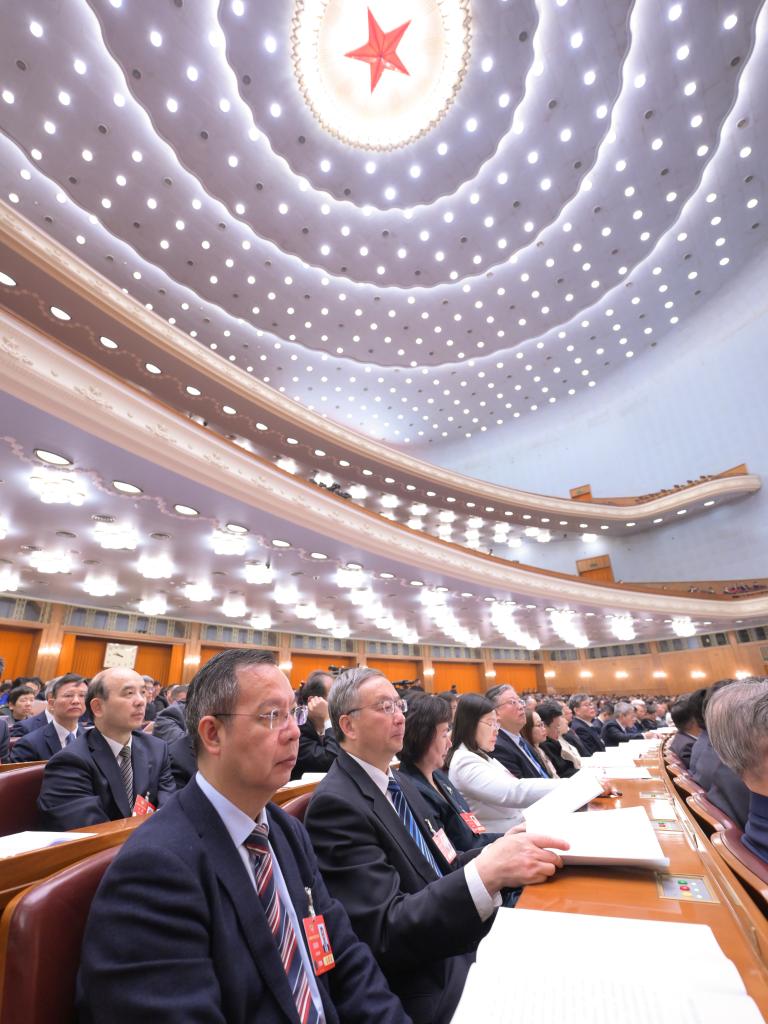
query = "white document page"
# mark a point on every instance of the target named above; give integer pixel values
(625, 771)
(25, 842)
(623, 837)
(569, 795)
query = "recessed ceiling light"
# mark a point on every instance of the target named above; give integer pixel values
(60, 314)
(318, 555)
(386, 575)
(186, 510)
(7, 281)
(151, 368)
(229, 410)
(124, 488)
(236, 528)
(52, 458)
(416, 583)
(281, 543)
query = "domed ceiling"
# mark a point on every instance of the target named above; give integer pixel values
(420, 219)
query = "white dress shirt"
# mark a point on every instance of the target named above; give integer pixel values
(62, 732)
(494, 795)
(484, 902)
(239, 826)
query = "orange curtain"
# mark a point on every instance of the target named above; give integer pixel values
(304, 664)
(88, 656)
(395, 670)
(154, 660)
(468, 677)
(523, 677)
(18, 647)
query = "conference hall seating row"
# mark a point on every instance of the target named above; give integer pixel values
(47, 893)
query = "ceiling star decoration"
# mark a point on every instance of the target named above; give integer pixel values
(380, 52)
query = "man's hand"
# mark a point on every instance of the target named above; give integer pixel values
(317, 708)
(518, 860)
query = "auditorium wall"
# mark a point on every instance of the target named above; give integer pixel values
(696, 405)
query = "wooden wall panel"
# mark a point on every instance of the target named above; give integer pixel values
(394, 670)
(468, 677)
(154, 660)
(304, 664)
(87, 656)
(18, 647)
(524, 678)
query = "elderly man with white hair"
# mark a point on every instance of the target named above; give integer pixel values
(737, 725)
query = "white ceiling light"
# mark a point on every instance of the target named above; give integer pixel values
(51, 561)
(390, 500)
(683, 626)
(224, 542)
(261, 620)
(100, 585)
(155, 567)
(126, 488)
(258, 573)
(234, 606)
(116, 537)
(358, 491)
(9, 578)
(155, 605)
(198, 592)
(52, 458)
(288, 465)
(623, 627)
(54, 487)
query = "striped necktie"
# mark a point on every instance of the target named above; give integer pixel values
(407, 818)
(126, 770)
(532, 757)
(280, 924)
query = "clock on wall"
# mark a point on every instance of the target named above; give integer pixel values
(120, 655)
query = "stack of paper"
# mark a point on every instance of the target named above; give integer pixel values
(570, 795)
(704, 988)
(621, 838)
(25, 842)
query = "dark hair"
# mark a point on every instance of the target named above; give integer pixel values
(425, 713)
(449, 696)
(19, 691)
(214, 688)
(469, 711)
(495, 692)
(53, 687)
(681, 712)
(696, 706)
(313, 686)
(578, 699)
(549, 710)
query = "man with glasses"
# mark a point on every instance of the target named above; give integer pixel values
(589, 736)
(511, 749)
(421, 906)
(238, 926)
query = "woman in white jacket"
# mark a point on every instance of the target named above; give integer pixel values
(494, 795)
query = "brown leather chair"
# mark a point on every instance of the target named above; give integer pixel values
(686, 784)
(41, 933)
(18, 764)
(298, 806)
(709, 816)
(748, 868)
(19, 791)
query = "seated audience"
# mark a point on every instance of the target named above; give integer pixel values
(645, 716)
(218, 936)
(511, 749)
(106, 770)
(318, 748)
(737, 726)
(534, 733)
(426, 743)
(4, 742)
(723, 787)
(66, 704)
(19, 707)
(662, 711)
(494, 795)
(170, 722)
(421, 906)
(621, 729)
(452, 698)
(588, 733)
(688, 728)
(565, 758)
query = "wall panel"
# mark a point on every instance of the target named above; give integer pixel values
(468, 677)
(18, 647)
(395, 670)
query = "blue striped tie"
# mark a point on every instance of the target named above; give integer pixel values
(532, 758)
(407, 818)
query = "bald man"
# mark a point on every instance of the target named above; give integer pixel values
(111, 770)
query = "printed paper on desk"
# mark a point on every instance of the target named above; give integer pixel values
(622, 838)
(569, 795)
(26, 842)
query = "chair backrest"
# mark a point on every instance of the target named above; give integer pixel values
(686, 783)
(19, 791)
(708, 815)
(41, 933)
(751, 871)
(298, 806)
(18, 764)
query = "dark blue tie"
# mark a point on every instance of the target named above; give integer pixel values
(407, 818)
(532, 758)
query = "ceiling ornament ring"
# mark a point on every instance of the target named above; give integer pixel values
(399, 108)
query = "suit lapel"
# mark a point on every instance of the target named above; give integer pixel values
(52, 741)
(388, 816)
(107, 765)
(234, 879)
(142, 766)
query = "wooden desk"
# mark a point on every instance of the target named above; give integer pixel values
(18, 872)
(282, 796)
(630, 892)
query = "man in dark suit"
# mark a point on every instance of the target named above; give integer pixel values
(217, 935)
(737, 726)
(105, 771)
(420, 906)
(687, 727)
(620, 728)
(66, 704)
(588, 735)
(511, 749)
(170, 722)
(318, 748)
(44, 717)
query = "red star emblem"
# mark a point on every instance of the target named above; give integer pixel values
(381, 50)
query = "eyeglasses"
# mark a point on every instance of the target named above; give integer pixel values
(494, 725)
(512, 700)
(389, 707)
(272, 719)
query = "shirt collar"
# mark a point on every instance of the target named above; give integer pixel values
(48, 716)
(514, 736)
(114, 746)
(62, 732)
(237, 823)
(379, 778)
